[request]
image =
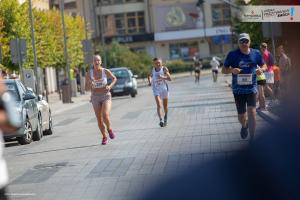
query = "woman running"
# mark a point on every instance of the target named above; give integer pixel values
(96, 80)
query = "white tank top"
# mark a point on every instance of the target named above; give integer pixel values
(99, 83)
(156, 82)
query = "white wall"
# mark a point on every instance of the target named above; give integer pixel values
(51, 79)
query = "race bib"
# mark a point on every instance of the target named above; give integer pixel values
(98, 84)
(244, 79)
(158, 83)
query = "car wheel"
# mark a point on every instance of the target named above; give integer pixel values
(38, 134)
(27, 137)
(133, 93)
(49, 131)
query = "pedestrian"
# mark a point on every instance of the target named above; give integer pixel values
(197, 69)
(285, 68)
(78, 80)
(269, 61)
(276, 88)
(96, 81)
(158, 77)
(244, 63)
(215, 64)
(261, 83)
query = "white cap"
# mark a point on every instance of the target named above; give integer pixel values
(244, 36)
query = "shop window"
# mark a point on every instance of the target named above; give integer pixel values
(183, 51)
(220, 14)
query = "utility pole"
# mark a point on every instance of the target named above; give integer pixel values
(61, 6)
(200, 5)
(37, 82)
(85, 22)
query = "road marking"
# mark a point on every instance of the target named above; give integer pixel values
(21, 194)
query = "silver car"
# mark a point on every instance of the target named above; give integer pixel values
(126, 82)
(28, 110)
(45, 114)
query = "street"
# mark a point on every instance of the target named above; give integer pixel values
(72, 164)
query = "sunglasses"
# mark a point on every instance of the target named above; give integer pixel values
(243, 41)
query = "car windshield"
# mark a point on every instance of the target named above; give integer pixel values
(12, 89)
(120, 73)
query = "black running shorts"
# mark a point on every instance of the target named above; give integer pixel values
(241, 100)
(215, 71)
(261, 82)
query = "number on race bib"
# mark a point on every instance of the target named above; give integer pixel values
(244, 79)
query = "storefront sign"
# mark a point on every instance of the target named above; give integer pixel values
(130, 38)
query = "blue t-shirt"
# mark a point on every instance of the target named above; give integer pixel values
(245, 82)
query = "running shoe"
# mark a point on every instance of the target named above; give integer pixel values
(161, 123)
(165, 121)
(244, 132)
(104, 140)
(111, 134)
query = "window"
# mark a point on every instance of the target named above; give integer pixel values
(111, 2)
(71, 5)
(183, 51)
(220, 14)
(125, 23)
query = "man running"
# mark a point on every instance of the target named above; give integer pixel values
(157, 79)
(197, 69)
(244, 63)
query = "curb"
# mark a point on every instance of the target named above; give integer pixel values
(268, 116)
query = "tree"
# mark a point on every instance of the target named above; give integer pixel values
(253, 28)
(75, 34)
(118, 55)
(14, 26)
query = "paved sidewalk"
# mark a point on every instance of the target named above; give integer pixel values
(58, 107)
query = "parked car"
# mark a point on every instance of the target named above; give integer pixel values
(45, 113)
(126, 82)
(28, 109)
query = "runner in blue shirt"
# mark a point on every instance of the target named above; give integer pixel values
(244, 63)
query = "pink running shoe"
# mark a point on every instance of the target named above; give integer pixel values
(111, 134)
(104, 140)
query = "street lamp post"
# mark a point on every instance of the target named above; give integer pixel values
(61, 6)
(37, 82)
(199, 4)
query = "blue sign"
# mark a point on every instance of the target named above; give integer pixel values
(221, 39)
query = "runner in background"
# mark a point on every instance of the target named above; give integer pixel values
(215, 64)
(157, 79)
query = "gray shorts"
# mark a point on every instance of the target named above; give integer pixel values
(99, 98)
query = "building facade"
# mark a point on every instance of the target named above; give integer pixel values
(38, 4)
(169, 29)
(184, 29)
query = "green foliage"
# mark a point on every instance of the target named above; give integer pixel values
(14, 23)
(120, 56)
(176, 66)
(253, 28)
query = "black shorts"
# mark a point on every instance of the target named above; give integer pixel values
(261, 82)
(241, 100)
(197, 71)
(215, 71)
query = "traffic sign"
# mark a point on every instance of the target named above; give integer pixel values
(87, 46)
(18, 50)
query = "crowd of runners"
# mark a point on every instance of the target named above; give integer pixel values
(255, 77)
